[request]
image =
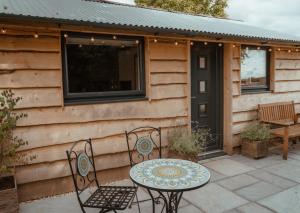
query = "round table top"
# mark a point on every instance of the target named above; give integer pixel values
(169, 175)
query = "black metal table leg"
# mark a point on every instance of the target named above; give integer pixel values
(171, 200)
(153, 200)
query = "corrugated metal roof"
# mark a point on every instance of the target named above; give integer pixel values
(91, 12)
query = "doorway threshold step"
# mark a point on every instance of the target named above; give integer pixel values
(211, 154)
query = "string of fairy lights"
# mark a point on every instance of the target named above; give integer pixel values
(177, 42)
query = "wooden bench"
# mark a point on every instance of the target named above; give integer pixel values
(281, 114)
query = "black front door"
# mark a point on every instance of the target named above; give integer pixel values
(206, 90)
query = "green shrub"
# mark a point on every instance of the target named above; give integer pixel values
(8, 142)
(256, 132)
(188, 144)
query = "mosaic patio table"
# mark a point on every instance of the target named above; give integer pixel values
(170, 178)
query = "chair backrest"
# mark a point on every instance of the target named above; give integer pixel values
(82, 166)
(144, 143)
(277, 111)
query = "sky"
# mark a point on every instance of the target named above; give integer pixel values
(278, 15)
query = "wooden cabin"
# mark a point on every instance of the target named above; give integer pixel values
(94, 70)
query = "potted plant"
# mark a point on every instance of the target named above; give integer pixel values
(9, 157)
(255, 139)
(187, 145)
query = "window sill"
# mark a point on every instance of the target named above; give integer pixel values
(103, 101)
(249, 92)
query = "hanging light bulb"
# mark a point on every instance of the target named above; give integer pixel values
(205, 43)
(289, 51)
(66, 35)
(36, 35)
(220, 44)
(80, 45)
(234, 46)
(270, 49)
(258, 48)
(3, 30)
(278, 49)
(155, 40)
(191, 43)
(297, 50)
(114, 37)
(176, 43)
(137, 41)
(92, 39)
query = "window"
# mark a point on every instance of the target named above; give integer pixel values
(100, 68)
(254, 69)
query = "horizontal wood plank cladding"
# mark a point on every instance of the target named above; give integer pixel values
(38, 97)
(287, 86)
(297, 107)
(249, 102)
(168, 67)
(244, 116)
(167, 51)
(102, 146)
(287, 75)
(31, 79)
(236, 52)
(238, 127)
(40, 136)
(287, 56)
(235, 88)
(13, 43)
(29, 60)
(40, 189)
(236, 140)
(236, 64)
(168, 78)
(168, 91)
(60, 169)
(105, 112)
(236, 76)
(287, 64)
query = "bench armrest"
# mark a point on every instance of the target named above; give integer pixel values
(277, 123)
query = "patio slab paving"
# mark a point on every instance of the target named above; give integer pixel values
(287, 170)
(214, 198)
(228, 167)
(258, 191)
(238, 185)
(253, 208)
(273, 179)
(215, 176)
(286, 201)
(237, 182)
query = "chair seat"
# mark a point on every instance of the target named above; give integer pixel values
(111, 197)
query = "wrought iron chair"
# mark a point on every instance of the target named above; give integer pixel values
(143, 143)
(105, 198)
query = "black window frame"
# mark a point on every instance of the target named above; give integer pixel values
(258, 88)
(109, 96)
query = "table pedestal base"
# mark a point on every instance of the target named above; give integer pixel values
(171, 200)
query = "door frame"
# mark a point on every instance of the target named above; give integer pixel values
(220, 70)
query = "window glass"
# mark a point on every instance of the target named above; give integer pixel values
(254, 68)
(202, 62)
(202, 110)
(98, 67)
(202, 86)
